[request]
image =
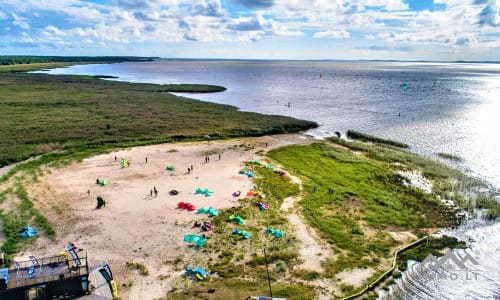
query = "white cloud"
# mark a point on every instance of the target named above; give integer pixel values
(333, 34)
(456, 23)
(54, 30)
(20, 22)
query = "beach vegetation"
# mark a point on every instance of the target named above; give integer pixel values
(449, 156)
(191, 88)
(20, 213)
(82, 115)
(433, 245)
(490, 203)
(356, 135)
(143, 271)
(353, 200)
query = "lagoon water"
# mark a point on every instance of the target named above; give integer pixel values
(451, 108)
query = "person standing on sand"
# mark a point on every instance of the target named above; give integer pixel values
(155, 190)
(146, 159)
(219, 156)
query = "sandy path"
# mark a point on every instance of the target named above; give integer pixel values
(135, 226)
(312, 250)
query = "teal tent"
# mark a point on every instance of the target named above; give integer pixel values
(210, 211)
(28, 231)
(195, 239)
(236, 219)
(199, 272)
(248, 173)
(205, 192)
(277, 233)
(243, 233)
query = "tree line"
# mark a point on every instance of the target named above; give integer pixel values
(28, 59)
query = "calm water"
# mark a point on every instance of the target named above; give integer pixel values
(448, 108)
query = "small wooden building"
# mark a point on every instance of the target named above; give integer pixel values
(58, 277)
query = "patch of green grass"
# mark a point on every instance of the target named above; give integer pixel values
(449, 156)
(368, 194)
(143, 271)
(432, 246)
(238, 288)
(490, 203)
(21, 214)
(192, 88)
(356, 135)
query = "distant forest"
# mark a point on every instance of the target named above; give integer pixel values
(26, 59)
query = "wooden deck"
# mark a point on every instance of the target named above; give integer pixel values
(28, 273)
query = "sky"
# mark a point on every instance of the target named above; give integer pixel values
(430, 30)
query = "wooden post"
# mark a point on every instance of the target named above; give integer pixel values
(268, 277)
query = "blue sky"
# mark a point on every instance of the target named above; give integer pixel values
(258, 29)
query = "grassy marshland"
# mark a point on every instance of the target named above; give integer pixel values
(356, 135)
(41, 113)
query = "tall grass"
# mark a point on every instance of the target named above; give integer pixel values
(348, 195)
(21, 214)
(39, 112)
(370, 138)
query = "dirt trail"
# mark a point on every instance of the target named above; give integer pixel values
(312, 249)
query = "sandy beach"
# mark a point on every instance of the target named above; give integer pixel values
(136, 226)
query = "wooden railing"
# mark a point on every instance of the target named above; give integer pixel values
(381, 277)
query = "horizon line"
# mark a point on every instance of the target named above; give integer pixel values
(258, 59)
